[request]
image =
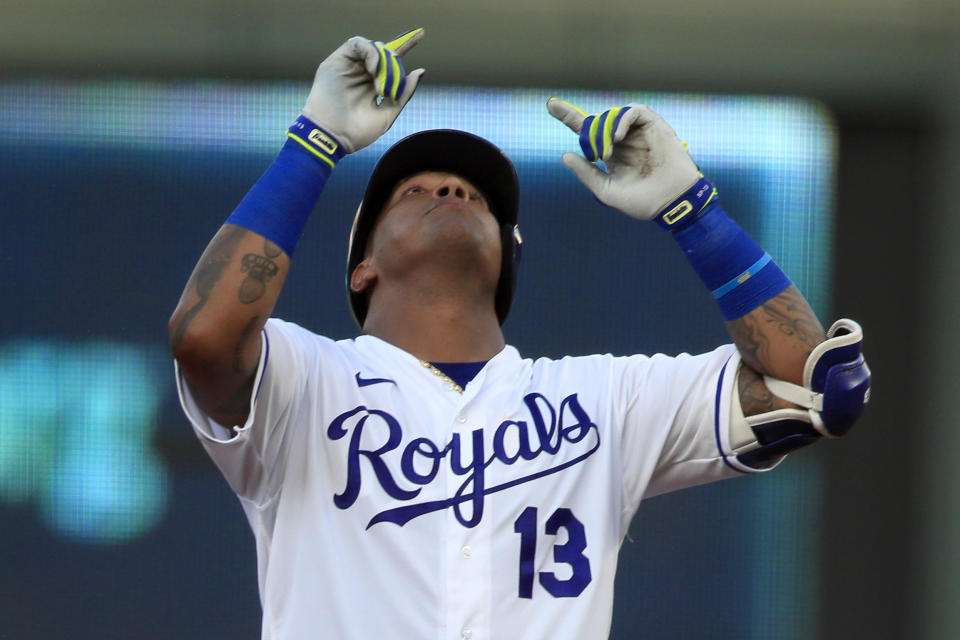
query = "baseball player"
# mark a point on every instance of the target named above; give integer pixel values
(424, 480)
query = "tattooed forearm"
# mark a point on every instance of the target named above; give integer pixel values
(753, 345)
(259, 270)
(206, 275)
(790, 314)
(215, 328)
(776, 338)
(755, 398)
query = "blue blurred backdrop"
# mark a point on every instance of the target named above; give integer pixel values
(115, 524)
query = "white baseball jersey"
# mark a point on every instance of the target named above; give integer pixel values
(385, 504)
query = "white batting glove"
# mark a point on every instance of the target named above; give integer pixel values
(360, 89)
(648, 167)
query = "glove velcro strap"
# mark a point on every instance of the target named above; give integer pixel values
(685, 209)
(596, 133)
(317, 140)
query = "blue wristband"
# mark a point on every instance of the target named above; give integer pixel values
(740, 275)
(279, 204)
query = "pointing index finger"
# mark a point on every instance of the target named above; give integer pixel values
(567, 113)
(406, 41)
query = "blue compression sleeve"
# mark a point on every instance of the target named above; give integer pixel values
(736, 270)
(278, 205)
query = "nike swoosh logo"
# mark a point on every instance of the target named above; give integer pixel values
(366, 382)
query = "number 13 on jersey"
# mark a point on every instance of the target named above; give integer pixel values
(570, 552)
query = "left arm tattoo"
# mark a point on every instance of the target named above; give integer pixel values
(755, 398)
(776, 338)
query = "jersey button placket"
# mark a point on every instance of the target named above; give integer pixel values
(466, 580)
(475, 550)
(458, 602)
(478, 555)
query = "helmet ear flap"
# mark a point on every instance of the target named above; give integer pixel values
(511, 243)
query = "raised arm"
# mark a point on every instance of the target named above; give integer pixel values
(797, 383)
(357, 93)
(215, 329)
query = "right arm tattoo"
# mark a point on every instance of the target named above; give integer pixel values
(259, 270)
(206, 276)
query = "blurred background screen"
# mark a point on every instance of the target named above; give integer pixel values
(114, 522)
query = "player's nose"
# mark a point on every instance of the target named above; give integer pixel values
(452, 186)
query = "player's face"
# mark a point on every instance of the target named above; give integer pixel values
(437, 216)
(433, 189)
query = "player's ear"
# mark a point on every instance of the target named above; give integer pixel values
(363, 277)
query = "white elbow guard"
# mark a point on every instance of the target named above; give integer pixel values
(835, 391)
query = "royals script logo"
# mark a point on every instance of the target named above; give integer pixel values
(565, 435)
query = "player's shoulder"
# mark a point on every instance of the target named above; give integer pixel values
(299, 343)
(609, 366)
(587, 361)
(593, 367)
(278, 329)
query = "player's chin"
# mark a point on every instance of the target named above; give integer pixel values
(458, 221)
(463, 240)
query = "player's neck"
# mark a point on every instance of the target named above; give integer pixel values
(444, 330)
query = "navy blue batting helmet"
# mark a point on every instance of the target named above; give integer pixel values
(449, 151)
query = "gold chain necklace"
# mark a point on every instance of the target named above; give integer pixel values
(442, 376)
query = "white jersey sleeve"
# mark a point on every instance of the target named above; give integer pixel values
(682, 406)
(666, 418)
(250, 457)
